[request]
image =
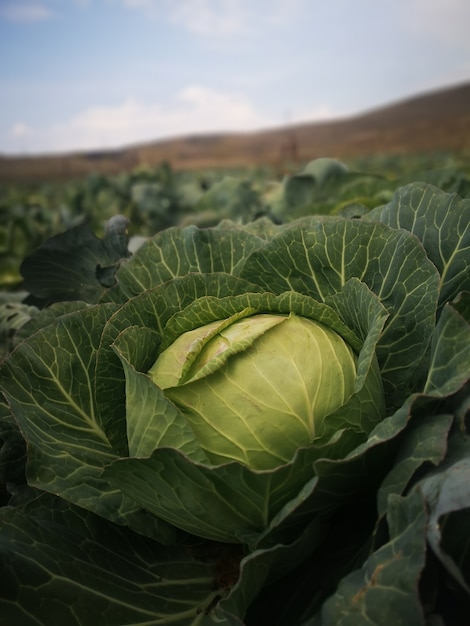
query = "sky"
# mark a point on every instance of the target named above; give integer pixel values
(104, 74)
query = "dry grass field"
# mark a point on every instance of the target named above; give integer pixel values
(430, 122)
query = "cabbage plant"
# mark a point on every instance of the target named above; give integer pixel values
(253, 425)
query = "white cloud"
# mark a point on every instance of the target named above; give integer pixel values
(20, 130)
(196, 109)
(25, 11)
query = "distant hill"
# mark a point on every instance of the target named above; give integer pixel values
(430, 122)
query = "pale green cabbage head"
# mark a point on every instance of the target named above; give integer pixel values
(257, 388)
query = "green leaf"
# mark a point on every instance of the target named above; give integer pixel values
(450, 349)
(76, 265)
(385, 590)
(262, 567)
(69, 442)
(68, 445)
(234, 503)
(12, 452)
(179, 251)
(447, 494)
(442, 223)
(60, 564)
(361, 309)
(47, 316)
(201, 499)
(366, 316)
(339, 476)
(263, 227)
(152, 421)
(62, 357)
(424, 441)
(333, 547)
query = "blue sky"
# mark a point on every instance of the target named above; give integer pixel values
(94, 74)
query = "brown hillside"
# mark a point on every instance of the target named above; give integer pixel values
(431, 122)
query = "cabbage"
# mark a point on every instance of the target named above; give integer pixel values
(258, 388)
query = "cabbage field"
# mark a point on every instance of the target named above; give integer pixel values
(237, 398)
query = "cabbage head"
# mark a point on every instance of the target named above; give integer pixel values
(255, 389)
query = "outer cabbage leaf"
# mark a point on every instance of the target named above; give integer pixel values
(399, 582)
(47, 316)
(295, 590)
(76, 265)
(262, 227)
(152, 421)
(60, 564)
(450, 349)
(447, 494)
(263, 567)
(272, 503)
(423, 443)
(229, 503)
(442, 223)
(49, 383)
(433, 410)
(12, 454)
(179, 251)
(385, 590)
